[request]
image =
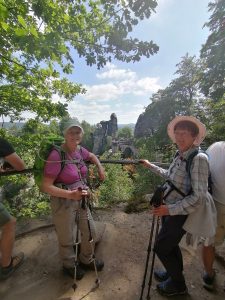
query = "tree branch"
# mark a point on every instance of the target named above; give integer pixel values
(14, 62)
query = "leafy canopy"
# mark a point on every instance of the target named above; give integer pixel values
(213, 53)
(38, 38)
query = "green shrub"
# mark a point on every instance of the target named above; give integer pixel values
(145, 181)
(20, 195)
(117, 187)
(29, 203)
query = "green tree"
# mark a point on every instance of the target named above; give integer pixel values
(38, 38)
(88, 140)
(213, 53)
(118, 186)
(64, 120)
(21, 195)
(125, 132)
(216, 120)
(145, 181)
(33, 126)
(54, 127)
(213, 72)
(181, 97)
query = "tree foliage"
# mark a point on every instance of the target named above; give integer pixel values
(198, 89)
(213, 53)
(181, 97)
(125, 132)
(38, 38)
(118, 186)
(88, 140)
(216, 120)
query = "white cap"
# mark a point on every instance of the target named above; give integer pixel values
(70, 123)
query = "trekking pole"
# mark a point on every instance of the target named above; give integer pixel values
(91, 241)
(148, 255)
(106, 161)
(77, 242)
(156, 201)
(153, 260)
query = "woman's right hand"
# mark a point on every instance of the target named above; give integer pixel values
(77, 194)
(146, 163)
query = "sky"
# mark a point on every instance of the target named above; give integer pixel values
(125, 88)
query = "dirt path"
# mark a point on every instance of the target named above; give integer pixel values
(123, 248)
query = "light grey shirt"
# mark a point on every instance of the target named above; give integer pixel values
(177, 204)
(198, 204)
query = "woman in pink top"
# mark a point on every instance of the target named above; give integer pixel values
(67, 187)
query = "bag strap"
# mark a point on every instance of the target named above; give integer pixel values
(62, 157)
(173, 187)
(76, 163)
(190, 159)
(188, 170)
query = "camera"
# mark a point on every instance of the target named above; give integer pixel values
(157, 198)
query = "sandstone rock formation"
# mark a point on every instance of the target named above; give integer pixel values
(104, 134)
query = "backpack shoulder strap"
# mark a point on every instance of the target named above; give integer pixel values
(62, 156)
(176, 154)
(189, 161)
(81, 151)
(188, 170)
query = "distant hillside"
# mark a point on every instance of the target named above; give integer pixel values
(130, 125)
(9, 125)
(21, 124)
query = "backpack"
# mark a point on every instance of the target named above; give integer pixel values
(47, 145)
(189, 161)
(188, 168)
(216, 153)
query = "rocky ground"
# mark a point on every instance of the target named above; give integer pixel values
(123, 248)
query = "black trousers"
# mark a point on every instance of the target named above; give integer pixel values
(167, 246)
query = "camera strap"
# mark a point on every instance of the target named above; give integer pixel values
(172, 188)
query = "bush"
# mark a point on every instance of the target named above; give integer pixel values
(117, 187)
(20, 195)
(146, 181)
(29, 203)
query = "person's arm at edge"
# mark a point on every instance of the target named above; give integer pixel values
(15, 161)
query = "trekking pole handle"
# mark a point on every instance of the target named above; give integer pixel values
(83, 199)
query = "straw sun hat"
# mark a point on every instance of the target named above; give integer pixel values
(201, 127)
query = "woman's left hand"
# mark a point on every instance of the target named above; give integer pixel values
(101, 173)
(160, 211)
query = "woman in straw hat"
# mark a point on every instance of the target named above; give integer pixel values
(188, 206)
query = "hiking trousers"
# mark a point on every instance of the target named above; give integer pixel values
(167, 246)
(67, 215)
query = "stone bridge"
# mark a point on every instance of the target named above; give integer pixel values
(125, 146)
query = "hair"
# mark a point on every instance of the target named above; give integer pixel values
(189, 126)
